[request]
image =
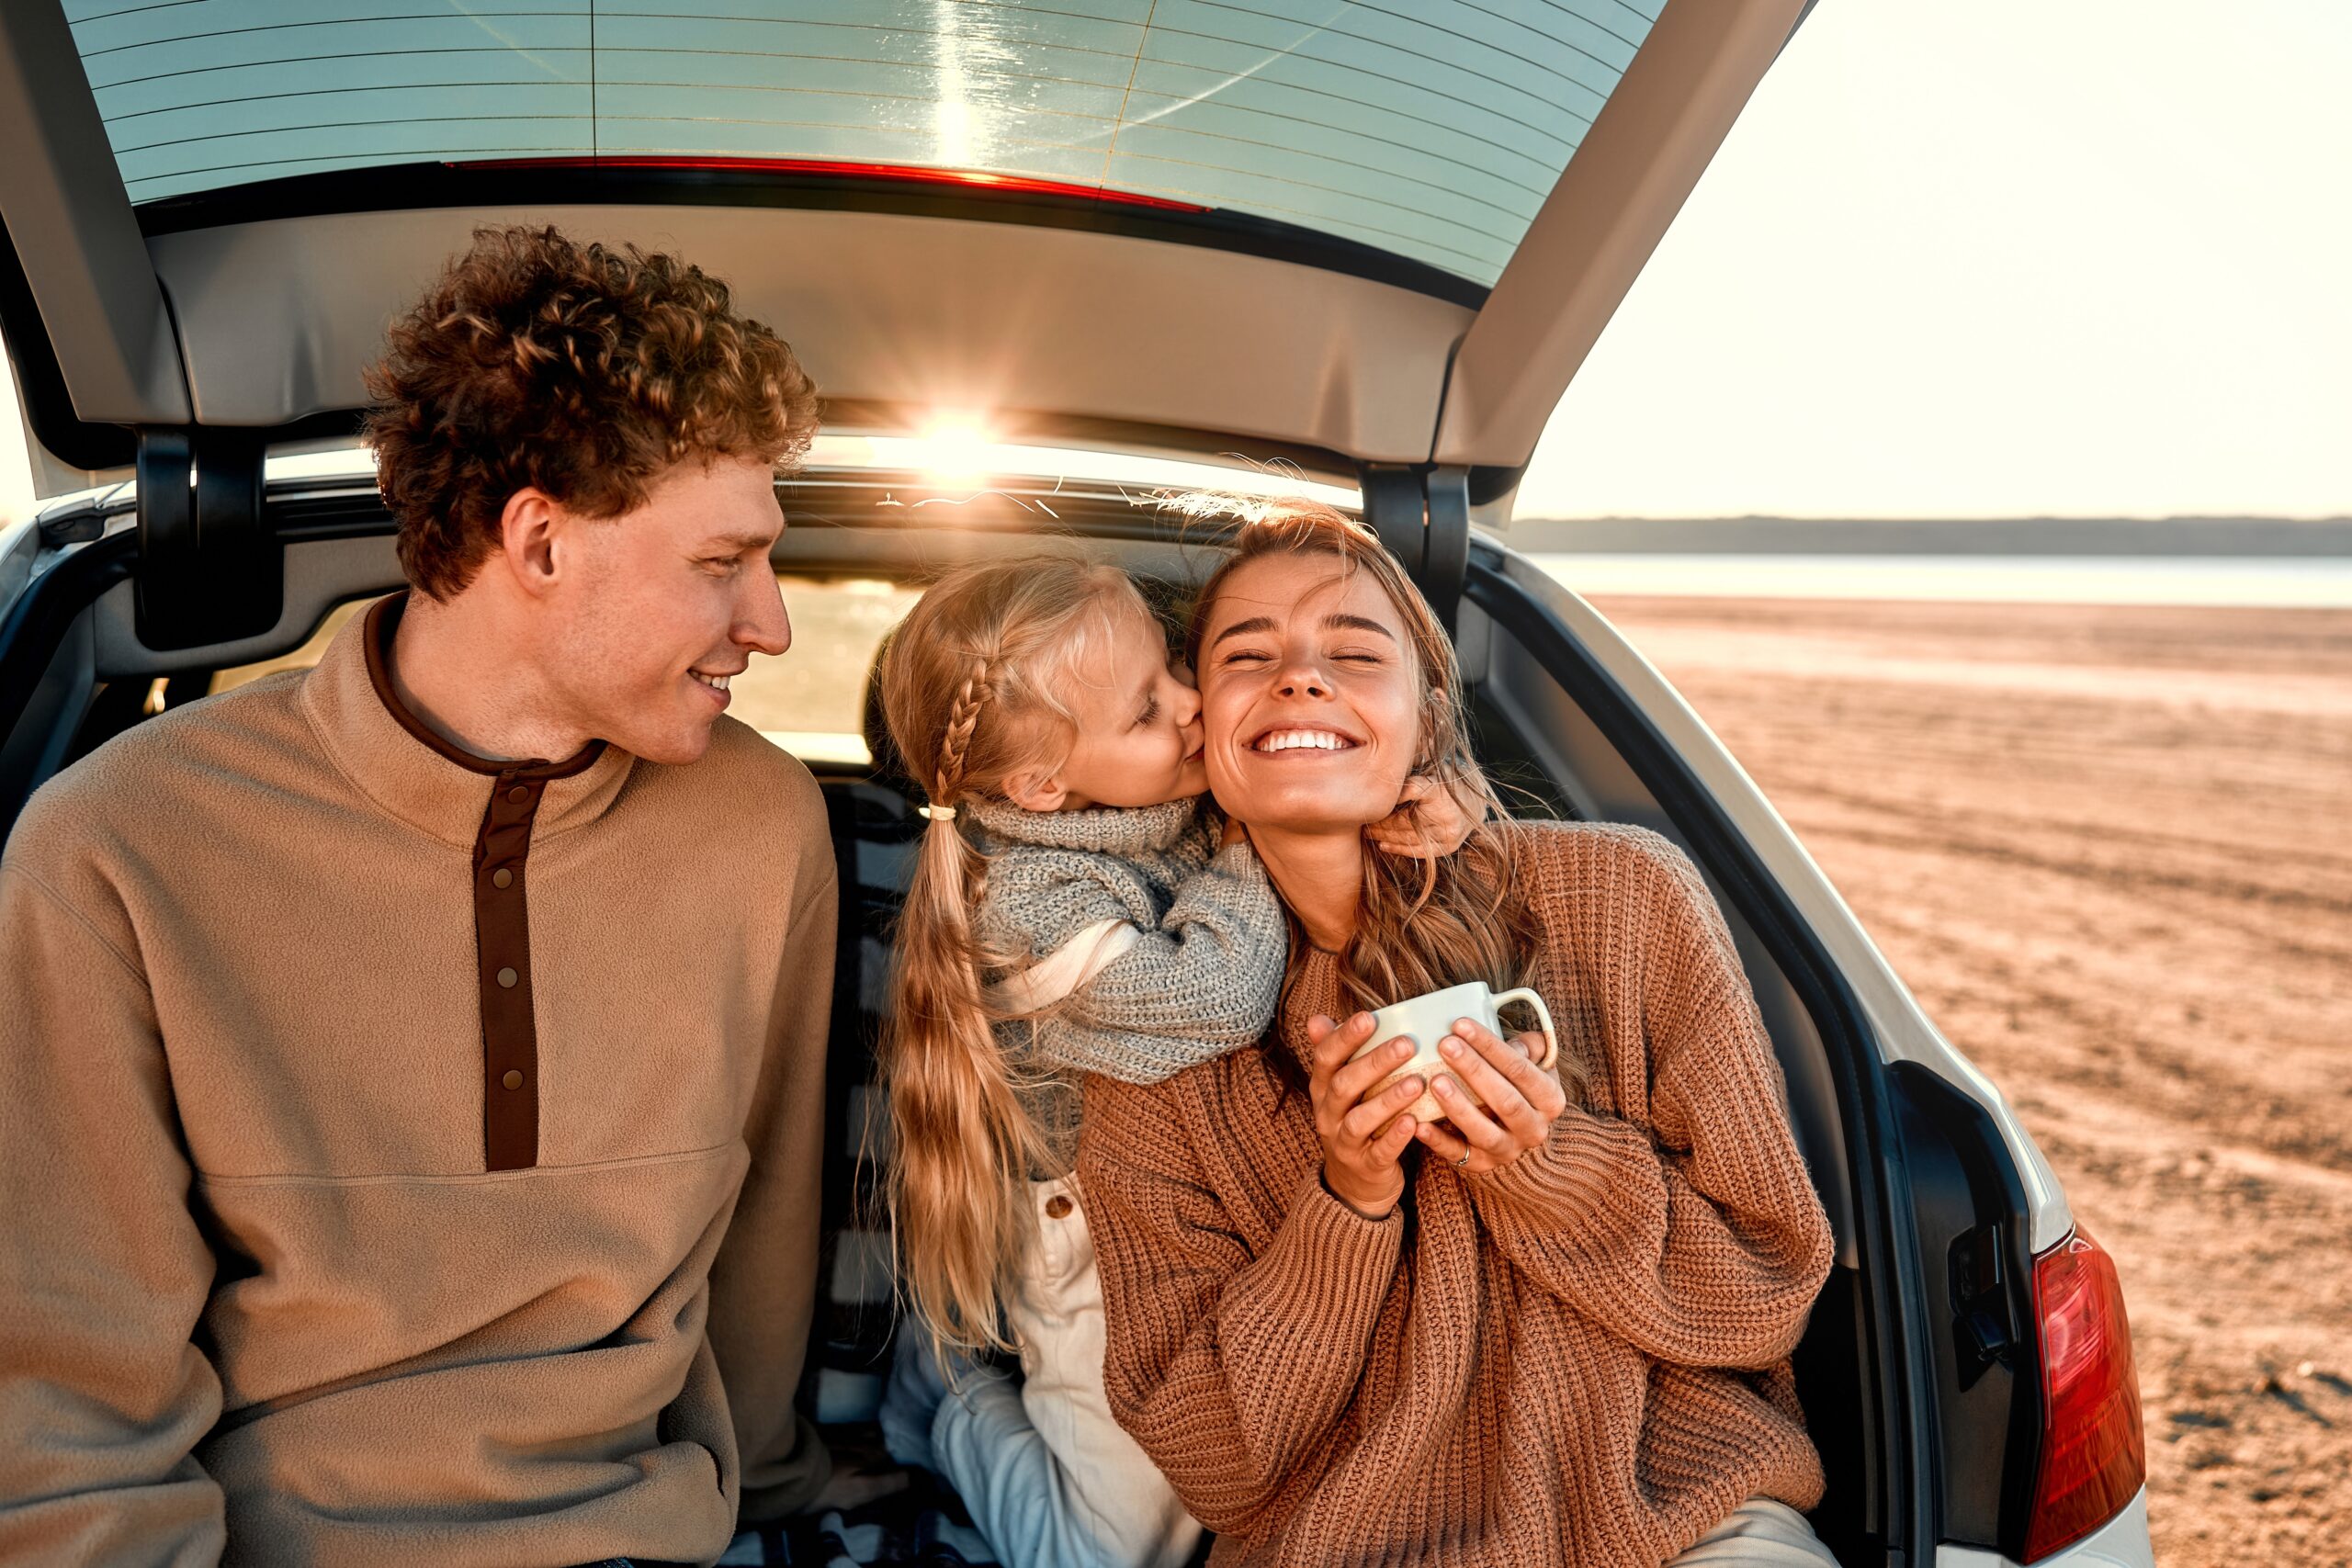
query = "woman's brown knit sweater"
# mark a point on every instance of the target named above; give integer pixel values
(1581, 1357)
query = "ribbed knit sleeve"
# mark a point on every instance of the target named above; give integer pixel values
(1230, 1365)
(1698, 1237)
(1204, 982)
(104, 1395)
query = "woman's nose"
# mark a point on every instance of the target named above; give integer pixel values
(1302, 681)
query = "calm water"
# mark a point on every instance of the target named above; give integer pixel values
(2278, 581)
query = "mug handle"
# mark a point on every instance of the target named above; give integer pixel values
(1551, 1035)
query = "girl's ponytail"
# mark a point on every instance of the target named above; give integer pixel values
(960, 1126)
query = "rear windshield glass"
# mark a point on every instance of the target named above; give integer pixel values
(1432, 129)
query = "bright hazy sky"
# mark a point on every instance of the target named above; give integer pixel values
(1971, 258)
(1982, 257)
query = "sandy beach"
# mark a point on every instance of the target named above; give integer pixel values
(2110, 848)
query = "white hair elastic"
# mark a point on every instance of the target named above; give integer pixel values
(936, 813)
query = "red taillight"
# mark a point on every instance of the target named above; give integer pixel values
(2094, 1459)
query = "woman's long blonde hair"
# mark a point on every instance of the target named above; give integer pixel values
(1421, 925)
(970, 687)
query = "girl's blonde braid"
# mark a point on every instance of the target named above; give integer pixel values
(963, 717)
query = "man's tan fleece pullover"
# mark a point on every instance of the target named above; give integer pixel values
(1579, 1359)
(399, 1151)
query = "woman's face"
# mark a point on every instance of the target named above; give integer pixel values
(1310, 695)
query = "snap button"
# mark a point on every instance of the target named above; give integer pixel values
(512, 1080)
(1059, 1206)
(518, 794)
(507, 977)
(501, 877)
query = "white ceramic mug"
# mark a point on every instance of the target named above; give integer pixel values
(1426, 1020)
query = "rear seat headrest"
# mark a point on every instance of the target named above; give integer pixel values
(889, 768)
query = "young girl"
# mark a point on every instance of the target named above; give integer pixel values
(1075, 909)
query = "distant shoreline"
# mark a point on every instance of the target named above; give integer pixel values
(2241, 536)
(2281, 582)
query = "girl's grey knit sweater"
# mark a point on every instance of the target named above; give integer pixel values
(1203, 980)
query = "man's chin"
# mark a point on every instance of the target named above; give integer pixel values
(675, 746)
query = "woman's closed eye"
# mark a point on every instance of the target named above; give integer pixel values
(1361, 658)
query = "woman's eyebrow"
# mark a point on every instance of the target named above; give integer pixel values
(1344, 622)
(1339, 621)
(1244, 628)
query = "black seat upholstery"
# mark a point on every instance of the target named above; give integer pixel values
(874, 829)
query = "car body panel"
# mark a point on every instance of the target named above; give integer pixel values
(2121, 1542)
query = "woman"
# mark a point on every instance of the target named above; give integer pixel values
(1553, 1330)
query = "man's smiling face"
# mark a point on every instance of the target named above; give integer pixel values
(662, 606)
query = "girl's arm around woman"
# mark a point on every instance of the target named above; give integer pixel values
(1687, 1224)
(1151, 1002)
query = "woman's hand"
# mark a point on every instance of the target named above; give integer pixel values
(1361, 1138)
(1522, 1101)
(1430, 820)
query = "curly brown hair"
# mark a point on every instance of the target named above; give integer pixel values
(536, 360)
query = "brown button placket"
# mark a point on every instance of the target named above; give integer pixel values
(510, 1037)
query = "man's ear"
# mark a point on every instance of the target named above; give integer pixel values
(531, 538)
(1035, 790)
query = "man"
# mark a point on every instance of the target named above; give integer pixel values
(410, 1081)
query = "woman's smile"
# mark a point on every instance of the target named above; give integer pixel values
(1303, 740)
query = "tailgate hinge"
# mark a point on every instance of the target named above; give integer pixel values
(209, 570)
(1422, 512)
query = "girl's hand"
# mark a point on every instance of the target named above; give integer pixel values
(1361, 1138)
(1522, 1101)
(1430, 822)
